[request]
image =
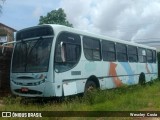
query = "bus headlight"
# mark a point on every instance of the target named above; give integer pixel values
(40, 82)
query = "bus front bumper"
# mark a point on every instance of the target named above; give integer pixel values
(46, 89)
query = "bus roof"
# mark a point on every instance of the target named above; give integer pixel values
(60, 28)
(73, 30)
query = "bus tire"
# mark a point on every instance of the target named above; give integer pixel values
(90, 86)
(142, 79)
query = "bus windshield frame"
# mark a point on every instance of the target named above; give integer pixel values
(32, 49)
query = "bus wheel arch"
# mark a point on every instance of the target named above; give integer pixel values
(91, 83)
(142, 79)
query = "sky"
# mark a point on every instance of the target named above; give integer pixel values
(133, 20)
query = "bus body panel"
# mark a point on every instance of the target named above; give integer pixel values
(114, 74)
(110, 74)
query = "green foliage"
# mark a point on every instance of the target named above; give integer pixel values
(55, 17)
(11, 100)
(126, 98)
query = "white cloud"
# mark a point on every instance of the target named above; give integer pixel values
(38, 11)
(124, 19)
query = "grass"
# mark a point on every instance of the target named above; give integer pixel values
(126, 98)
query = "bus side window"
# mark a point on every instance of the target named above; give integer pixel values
(67, 52)
(92, 50)
(149, 56)
(72, 52)
(132, 54)
(154, 56)
(108, 51)
(121, 52)
(58, 53)
(142, 55)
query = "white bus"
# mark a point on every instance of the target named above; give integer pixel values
(55, 61)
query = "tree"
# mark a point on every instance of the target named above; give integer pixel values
(55, 17)
(1, 2)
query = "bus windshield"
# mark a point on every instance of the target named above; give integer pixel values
(32, 55)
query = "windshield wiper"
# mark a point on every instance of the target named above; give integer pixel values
(38, 41)
(29, 50)
(26, 51)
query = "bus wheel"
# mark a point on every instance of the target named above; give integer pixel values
(142, 79)
(90, 86)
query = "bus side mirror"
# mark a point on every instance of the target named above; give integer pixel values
(63, 56)
(3, 51)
